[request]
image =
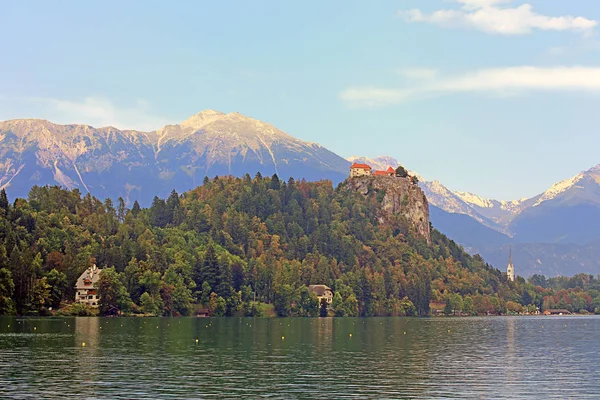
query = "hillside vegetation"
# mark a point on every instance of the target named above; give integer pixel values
(234, 243)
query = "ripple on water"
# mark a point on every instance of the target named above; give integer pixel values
(242, 358)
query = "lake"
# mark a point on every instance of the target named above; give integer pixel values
(493, 357)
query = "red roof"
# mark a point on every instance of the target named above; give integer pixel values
(359, 166)
(390, 169)
(381, 173)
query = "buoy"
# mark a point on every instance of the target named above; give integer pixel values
(83, 344)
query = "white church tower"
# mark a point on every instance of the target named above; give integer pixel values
(510, 269)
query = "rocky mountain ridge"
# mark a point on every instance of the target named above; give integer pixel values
(138, 165)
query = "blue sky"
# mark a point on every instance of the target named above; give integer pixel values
(495, 97)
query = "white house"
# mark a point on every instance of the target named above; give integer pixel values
(85, 291)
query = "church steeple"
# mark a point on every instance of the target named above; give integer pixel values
(510, 269)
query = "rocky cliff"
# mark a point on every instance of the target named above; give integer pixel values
(398, 196)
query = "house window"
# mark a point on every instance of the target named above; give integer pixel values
(90, 297)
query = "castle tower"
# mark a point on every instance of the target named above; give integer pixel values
(510, 269)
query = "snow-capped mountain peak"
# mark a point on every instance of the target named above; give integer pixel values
(475, 199)
(558, 188)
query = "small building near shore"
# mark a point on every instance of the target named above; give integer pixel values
(557, 311)
(322, 292)
(85, 288)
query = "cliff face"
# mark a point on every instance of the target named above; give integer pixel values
(397, 196)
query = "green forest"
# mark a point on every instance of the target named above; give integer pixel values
(249, 246)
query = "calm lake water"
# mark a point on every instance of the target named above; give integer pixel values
(497, 357)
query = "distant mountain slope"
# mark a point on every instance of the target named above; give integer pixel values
(139, 165)
(466, 230)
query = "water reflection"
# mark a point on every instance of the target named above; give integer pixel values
(299, 358)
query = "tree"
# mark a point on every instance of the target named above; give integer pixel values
(351, 306)
(448, 307)
(468, 306)
(3, 200)
(58, 285)
(136, 209)
(158, 213)
(309, 303)
(209, 267)
(456, 302)
(323, 308)
(40, 296)
(172, 208)
(401, 172)
(113, 297)
(182, 299)
(7, 288)
(121, 209)
(147, 304)
(205, 293)
(284, 300)
(217, 305)
(338, 305)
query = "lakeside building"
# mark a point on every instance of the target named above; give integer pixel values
(322, 292)
(85, 290)
(557, 311)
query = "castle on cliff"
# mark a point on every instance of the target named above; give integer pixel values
(357, 170)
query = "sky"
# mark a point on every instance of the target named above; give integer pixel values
(496, 97)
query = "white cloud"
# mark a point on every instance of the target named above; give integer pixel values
(94, 111)
(495, 81)
(490, 17)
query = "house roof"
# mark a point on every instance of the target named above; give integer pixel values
(381, 173)
(559, 311)
(92, 274)
(319, 289)
(390, 169)
(360, 166)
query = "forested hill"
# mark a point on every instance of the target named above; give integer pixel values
(233, 240)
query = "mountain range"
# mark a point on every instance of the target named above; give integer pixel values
(556, 232)
(139, 165)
